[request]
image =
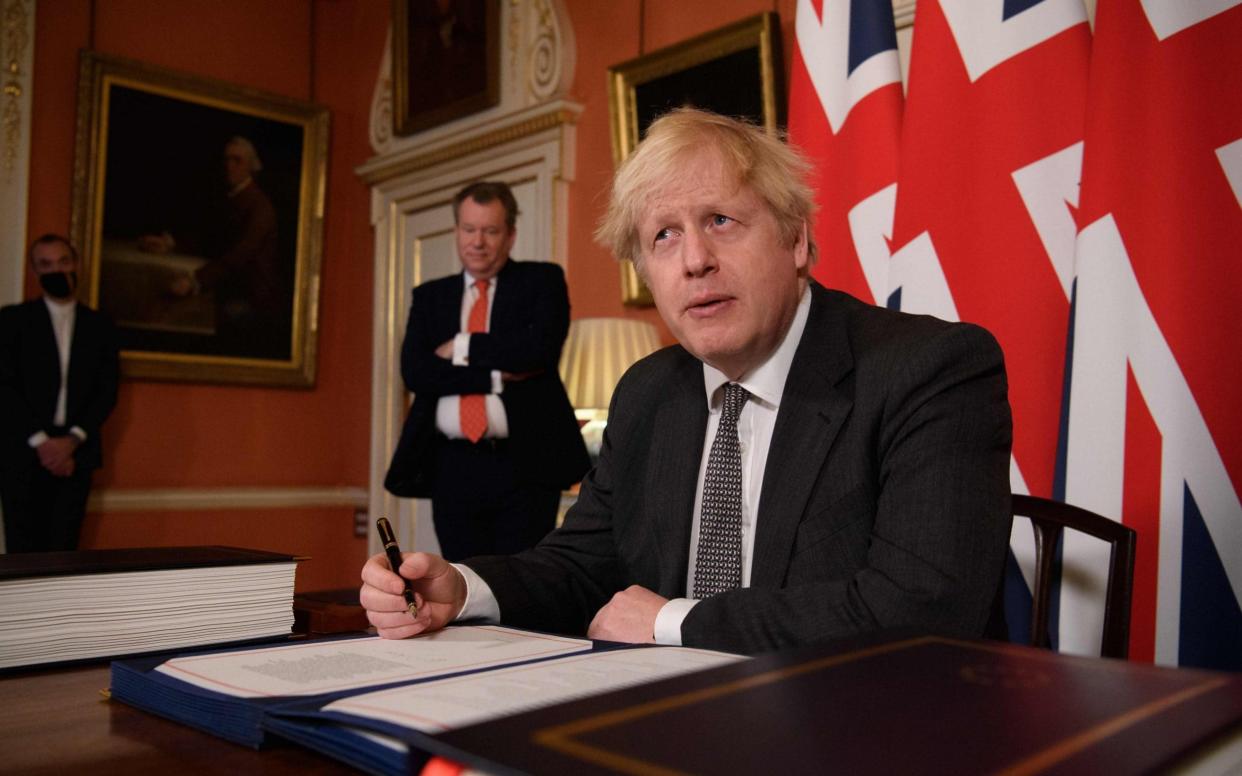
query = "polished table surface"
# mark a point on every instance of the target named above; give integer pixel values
(59, 720)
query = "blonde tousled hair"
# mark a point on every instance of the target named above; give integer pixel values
(775, 171)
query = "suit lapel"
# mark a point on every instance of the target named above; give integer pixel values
(448, 306)
(673, 476)
(507, 290)
(48, 352)
(813, 410)
(77, 341)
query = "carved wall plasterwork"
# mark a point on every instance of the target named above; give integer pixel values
(17, 57)
(527, 140)
(16, 47)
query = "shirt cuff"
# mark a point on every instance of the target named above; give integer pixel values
(37, 438)
(480, 601)
(498, 383)
(669, 619)
(461, 349)
(78, 432)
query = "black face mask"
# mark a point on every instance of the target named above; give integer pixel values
(59, 284)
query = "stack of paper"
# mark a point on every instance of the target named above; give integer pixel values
(66, 606)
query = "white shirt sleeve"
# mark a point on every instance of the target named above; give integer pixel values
(461, 348)
(480, 600)
(669, 619)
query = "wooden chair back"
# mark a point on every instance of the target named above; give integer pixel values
(1049, 519)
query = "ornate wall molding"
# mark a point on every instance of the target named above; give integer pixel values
(17, 18)
(388, 166)
(18, 26)
(537, 64)
(381, 101)
(550, 57)
(214, 499)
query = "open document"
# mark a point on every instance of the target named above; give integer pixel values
(391, 731)
(314, 668)
(229, 693)
(463, 700)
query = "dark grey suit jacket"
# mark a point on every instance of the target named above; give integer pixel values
(529, 321)
(885, 501)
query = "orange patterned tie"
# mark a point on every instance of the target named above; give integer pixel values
(471, 408)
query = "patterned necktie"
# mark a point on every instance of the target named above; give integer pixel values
(718, 566)
(471, 408)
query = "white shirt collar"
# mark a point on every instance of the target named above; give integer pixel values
(59, 308)
(469, 280)
(766, 382)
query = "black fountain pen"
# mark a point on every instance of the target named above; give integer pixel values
(394, 560)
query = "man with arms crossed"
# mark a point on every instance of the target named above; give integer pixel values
(872, 446)
(491, 435)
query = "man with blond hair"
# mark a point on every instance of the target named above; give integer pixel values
(802, 466)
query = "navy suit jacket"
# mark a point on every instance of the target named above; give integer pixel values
(885, 500)
(529, 321)
(30, 379)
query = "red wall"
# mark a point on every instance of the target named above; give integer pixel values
(200, 436)
(169, 435)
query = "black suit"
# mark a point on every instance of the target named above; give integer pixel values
(544, 452)
(885, 501)
(42, 511)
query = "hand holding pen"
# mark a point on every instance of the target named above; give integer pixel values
(389, 541)
(392, 605)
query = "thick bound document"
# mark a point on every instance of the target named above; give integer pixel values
(913, 705)
(91, 604)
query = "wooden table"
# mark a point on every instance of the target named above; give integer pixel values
(57, 721)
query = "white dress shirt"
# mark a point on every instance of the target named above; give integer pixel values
(63, 316)
(766, 385)
(448, 418)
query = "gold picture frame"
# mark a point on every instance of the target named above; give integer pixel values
(735, 70)
(198, 214)
(445, 63)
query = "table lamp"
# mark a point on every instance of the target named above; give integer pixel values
(597, 352)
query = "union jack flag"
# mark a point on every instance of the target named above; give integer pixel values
(1111, 314)
(845, 113)
(1154, 417)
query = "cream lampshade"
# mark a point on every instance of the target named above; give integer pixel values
(597, 352)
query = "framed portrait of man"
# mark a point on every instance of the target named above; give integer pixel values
(446, 61)
(197, 209)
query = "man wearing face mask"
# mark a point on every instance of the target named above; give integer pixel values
(58, 384)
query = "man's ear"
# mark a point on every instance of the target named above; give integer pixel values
(802, 250)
